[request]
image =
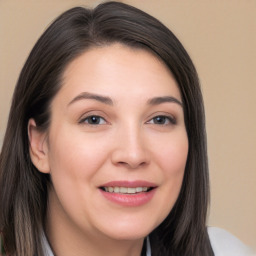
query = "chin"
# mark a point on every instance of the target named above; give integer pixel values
(131, 231)
(128, 236)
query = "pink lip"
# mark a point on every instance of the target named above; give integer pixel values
(138, 199)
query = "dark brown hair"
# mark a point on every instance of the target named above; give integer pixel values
(23, 189)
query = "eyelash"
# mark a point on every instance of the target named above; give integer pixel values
(90, 118)
(168, 120)
(162, 119)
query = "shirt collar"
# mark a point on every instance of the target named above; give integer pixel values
(148, 247)
(46, 247)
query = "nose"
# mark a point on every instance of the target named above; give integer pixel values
(130, 149)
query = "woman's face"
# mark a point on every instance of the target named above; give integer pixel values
(117, 146)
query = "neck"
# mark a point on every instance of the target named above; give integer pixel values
(67, 239)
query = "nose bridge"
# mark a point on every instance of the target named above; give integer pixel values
(130, 149)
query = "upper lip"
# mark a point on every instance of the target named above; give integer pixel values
(129, 184)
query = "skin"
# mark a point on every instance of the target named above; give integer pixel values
(127, 143)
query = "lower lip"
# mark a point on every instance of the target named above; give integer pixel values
(138, 199)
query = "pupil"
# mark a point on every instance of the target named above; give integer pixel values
(94, 120)
(160, 119)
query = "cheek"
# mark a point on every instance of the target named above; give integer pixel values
(77, 155)
(174, 161)
(171, 158)
(74, 162)
(171, 154)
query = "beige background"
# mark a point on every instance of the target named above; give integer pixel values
(220, 36)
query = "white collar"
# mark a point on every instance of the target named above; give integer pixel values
(48, 251)
(46, 247)
(148, 247)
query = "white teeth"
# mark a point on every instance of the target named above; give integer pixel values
(123, 190)
(139, 189)
(126, 190)
(131, 190)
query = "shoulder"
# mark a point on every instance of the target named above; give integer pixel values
(225, 244)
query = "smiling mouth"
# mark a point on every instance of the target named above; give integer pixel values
(129, 193)
(126, 190)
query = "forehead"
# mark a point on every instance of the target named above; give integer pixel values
(119, 68)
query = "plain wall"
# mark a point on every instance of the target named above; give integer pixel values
(220, 36)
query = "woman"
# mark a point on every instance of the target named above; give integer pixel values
(105, 149)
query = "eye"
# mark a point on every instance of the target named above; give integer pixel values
(93, 120)
(162, 120)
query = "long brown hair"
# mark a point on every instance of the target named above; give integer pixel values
(23, 189)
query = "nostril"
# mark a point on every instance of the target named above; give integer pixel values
(130, 157)
(131, 164)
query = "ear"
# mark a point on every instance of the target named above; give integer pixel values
(38, 148)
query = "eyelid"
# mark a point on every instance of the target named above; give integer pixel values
(83, 121)
(92, 113)
(171, 118)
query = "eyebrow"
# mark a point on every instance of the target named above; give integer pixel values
(108, 100)
(164, 99)
(91, 96)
